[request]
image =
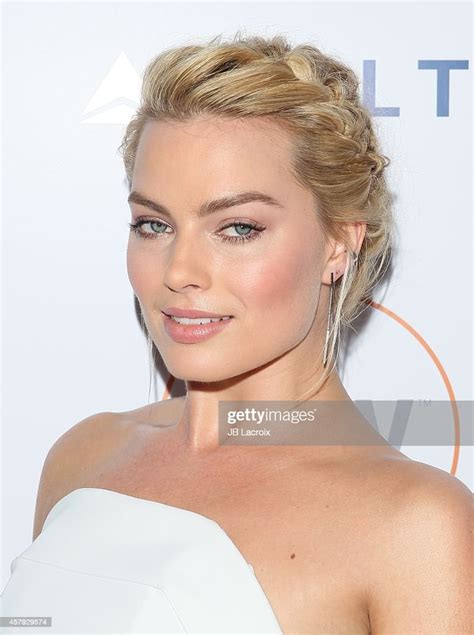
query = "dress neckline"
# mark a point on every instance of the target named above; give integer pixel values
(145, 501)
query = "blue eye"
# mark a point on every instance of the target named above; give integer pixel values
(255, 230)
(136, 228)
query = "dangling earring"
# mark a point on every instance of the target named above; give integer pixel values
(325, 354)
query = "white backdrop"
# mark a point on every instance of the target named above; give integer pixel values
(71, 75)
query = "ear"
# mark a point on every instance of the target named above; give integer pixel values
(337, 249)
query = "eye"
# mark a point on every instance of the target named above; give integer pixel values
(136, 228)
(251, 231)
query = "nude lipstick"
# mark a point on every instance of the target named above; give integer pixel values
(193, 333)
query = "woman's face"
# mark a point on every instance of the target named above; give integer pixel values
(269, 283)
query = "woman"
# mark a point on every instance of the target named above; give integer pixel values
(258, 198)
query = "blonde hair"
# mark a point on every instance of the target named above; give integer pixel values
(315, 98)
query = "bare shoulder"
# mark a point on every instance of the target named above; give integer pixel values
(71, 456)
(417, 497)
(77, 457)
(421, 480)
(418, 486)
(422, 558)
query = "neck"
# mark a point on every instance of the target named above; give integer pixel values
(199, 431)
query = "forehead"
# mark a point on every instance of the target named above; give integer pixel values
(229, 152)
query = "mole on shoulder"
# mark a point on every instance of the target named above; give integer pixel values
(292, 555)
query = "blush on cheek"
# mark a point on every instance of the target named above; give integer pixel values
(279, 287)
(140, 272)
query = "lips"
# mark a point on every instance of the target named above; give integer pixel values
(193, 333)
(192, 313)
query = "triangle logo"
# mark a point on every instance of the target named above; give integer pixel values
(117, 97)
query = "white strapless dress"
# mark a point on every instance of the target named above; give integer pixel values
(107, 562)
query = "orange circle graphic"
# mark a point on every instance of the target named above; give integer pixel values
(443, 373)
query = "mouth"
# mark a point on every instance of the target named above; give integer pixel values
(197, 320)
(193, 330)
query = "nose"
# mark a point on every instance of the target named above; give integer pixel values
(188, 263)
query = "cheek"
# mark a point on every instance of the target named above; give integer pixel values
(281, 285)
(140, 270)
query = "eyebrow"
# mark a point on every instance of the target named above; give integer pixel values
(209, 207)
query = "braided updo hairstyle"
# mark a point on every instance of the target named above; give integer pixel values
(315, 98)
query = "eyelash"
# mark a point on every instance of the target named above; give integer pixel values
(135, 228)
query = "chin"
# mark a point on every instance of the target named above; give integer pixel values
(212, 368)
(206, 372)
(203, 378)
